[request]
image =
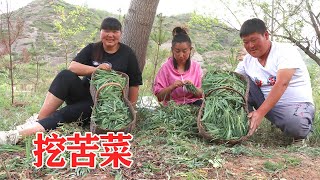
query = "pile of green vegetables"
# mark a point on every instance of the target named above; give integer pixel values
(224, 116)
(191, 88)
(215, 79)
(179, 120)
(110, 111)
(102, 77)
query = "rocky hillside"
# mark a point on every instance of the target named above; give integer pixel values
(39, 29)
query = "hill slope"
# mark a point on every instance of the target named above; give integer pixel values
(39, 29)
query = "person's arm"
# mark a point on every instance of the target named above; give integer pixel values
(81, 69)
(283, 78)
(240, 68)
(133, 95)
(81, 64)
(84, 70)
(164, 94)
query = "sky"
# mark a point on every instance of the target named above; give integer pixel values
(166, 7)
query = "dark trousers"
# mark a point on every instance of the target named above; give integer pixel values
(293, 119)
(68, 87)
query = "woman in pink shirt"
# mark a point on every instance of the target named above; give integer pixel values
(178, 71)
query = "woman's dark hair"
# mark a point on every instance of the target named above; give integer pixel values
(254, 25)
(180, 35)
(108, 23)
(111, 23)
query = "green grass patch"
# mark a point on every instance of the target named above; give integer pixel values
(291, 161)
(273, 167)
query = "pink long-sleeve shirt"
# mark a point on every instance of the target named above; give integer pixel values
(167, 75)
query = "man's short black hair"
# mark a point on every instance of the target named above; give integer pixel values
(254, 25)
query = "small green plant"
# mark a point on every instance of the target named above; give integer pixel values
(158, 36)
(82, 171)
(273, 167)
(291, 161)
(192, 175)
(232, 59)
(10, 148)
(240, 150)
(28, 143)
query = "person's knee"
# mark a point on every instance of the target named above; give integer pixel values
(66, 77)
(66, 73)
(298, 130)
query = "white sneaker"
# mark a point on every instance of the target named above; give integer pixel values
(33, 118)
(9, 137)
(29, 122)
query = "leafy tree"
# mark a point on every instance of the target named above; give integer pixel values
(289, 21)
(69, 25)
(158, 37)
(35, 53)
(219, 35)
(10, 31)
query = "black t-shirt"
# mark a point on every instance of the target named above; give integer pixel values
(124, 60)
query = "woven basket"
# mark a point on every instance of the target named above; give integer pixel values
(93, 89)
(244, 79)
(94, 128)
(202, 130)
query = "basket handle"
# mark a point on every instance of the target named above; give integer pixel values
(108, 84)
(231, 89)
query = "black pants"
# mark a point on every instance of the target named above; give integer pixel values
(68, 87)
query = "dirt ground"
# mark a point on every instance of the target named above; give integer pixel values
(283, 164)
(236, 167)
(153, 158)
(244, 167)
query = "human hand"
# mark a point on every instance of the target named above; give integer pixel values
(255, 119)
(187, 82)
(177, 83)
(105, 66)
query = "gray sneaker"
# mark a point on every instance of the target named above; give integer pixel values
(9, 137)
(299, 143)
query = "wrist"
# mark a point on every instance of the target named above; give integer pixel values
(172, 87)
(261, 111)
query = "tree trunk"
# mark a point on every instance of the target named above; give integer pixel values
(137, 27)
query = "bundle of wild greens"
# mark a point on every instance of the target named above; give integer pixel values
(191, 88)
(174, 119)
(215, 79)
(101, 77)
(224, 115)
(110, 111)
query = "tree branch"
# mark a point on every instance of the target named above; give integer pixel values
(314, 22)
(254, 10)
(303, 48)
(230, 11)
